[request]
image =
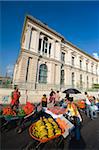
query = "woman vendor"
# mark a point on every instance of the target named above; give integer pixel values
(15, 95)
(73, 112)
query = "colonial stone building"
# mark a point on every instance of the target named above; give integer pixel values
(47, 60)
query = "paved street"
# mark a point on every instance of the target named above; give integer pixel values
(89, 139)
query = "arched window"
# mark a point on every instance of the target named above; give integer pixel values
(43, 73)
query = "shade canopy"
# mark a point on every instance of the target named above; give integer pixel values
(71, 91)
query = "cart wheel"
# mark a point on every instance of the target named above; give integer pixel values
(38, 146)
(18, 130)
(58, 143)
(30, 146)
(4, 128)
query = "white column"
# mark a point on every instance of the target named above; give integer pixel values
(57, 75)
(15, 73)
(27, 37)
(41, 47)
(49, 73)
(77, 61)
(69, 57)
(48, 50)
(37, 40)
(32, 38)
(53, 49)
(34, 41)
(57, 51)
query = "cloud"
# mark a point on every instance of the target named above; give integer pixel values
(95, 55)
(9, 69)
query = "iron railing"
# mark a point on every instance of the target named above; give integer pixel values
(45, 87)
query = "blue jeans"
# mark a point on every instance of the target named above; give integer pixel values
(88, 110)
(77, 133)
(93, 112)
(97, 105)
(64, 105)
(77, 124)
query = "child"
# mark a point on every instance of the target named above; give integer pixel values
(44, 101)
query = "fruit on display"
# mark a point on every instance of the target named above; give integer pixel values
(21, 112)
(57, 110)
(28, 108)
(24, 110)
(62, 124)
(80, 104)
(8, 111)
(45, 128)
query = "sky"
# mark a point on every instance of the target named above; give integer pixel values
(77, 21)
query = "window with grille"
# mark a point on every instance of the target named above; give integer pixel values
(73, 60)
(87, 82)
(86, 66)
(28, 63)
(44, 47)
(63, 57)
(43, 73)
(80, 64)
(96, 69)
(81, 80)
(62, 77)
(92, 68)
(39, 49)
(72, 78)
(92, 81)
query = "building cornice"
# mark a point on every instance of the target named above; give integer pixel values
(80, 70)
(67, 42)
(45, 26)
(43, 57)
(63, 40)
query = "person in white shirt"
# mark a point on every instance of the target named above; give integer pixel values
(88, 104)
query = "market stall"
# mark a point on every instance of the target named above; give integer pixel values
(9, 115)
(51, 125)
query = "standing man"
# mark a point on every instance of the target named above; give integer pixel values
(57, 97)
(88, 104)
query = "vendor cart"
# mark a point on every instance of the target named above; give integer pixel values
(57, 140)
(38, 142)
(17, 116)
(9, 119)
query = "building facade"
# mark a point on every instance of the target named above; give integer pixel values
(47, 60)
